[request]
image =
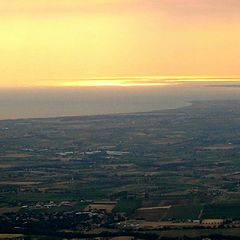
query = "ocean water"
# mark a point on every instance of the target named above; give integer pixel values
(53, 102)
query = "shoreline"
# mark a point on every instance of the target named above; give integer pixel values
(187, 104)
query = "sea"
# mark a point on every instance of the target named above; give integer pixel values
(77, 101)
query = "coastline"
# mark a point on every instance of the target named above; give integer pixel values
(92, 116)
(187, 104)
(112, 114)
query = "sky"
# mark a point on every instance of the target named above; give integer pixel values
(117, 42)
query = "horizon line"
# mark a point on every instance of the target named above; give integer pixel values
(125, 81)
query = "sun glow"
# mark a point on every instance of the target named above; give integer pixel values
(109, 83)
(69, 43)
(134, 81)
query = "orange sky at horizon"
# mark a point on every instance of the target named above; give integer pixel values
(51, 43)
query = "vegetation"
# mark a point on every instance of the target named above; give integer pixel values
(178, 165)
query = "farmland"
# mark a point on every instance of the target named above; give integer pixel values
(78, 175)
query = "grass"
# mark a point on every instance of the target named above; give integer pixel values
(127, 206)
(224, 210)
(41, 197)
(184, 212)
(193, 233)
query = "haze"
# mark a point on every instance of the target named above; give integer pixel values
(52, 102)
(69, 42)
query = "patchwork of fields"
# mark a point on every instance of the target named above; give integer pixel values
(84, 173)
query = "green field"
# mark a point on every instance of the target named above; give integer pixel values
(127, 206)
(224, 210)
(192, 233)
(184, 212)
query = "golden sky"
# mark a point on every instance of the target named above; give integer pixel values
(73, 42)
